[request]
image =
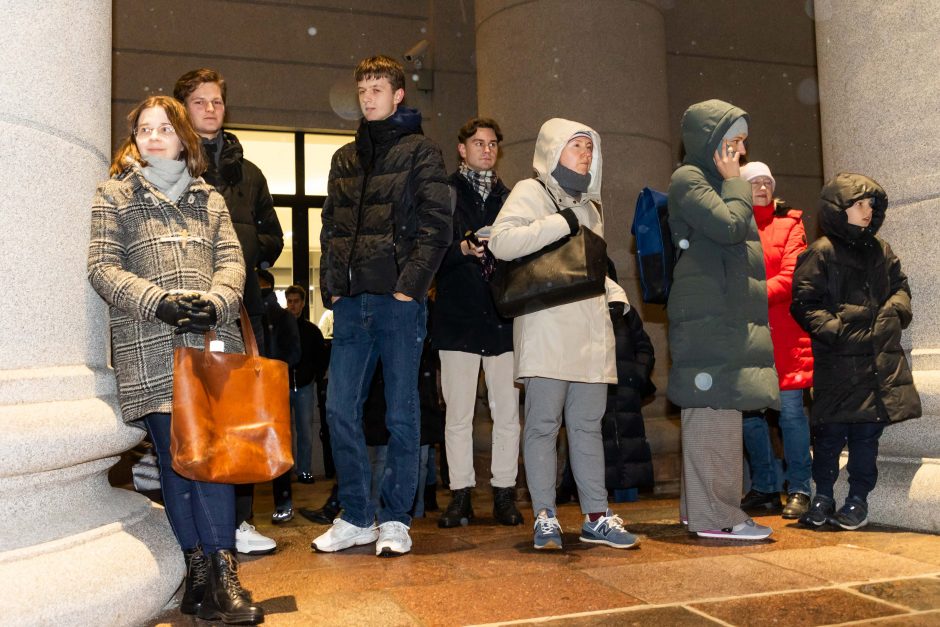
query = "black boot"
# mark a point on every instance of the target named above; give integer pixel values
(225, 598)
(430, 498)
(459, 511)
(326, 514)
(504, 506)
(197, 577)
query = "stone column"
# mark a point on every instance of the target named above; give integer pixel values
(73, 550)
(601, 62)
(878, 87)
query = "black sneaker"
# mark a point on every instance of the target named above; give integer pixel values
(819, 511)
(459, 511)
(852, 515)
(797, 505)
(504, 506)
(755, 500)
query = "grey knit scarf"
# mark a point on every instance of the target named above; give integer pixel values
(481, 182)
(169, 176)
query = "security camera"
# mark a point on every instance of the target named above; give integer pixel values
(417, 53)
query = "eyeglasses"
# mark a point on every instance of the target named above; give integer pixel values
(164, 130)
(758, 183)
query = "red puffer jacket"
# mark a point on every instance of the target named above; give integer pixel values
(783, 238)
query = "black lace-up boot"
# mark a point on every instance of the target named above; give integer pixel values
(459, 511)
(225, 598)
(504, 507)
(197, 576)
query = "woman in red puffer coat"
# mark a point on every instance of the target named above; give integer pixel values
(783, 238)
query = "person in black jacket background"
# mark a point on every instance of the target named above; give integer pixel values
(468, 333)
(386, 225)
(305, 380)
(851, 296)
(241, 183)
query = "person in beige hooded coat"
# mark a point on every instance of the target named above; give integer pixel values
(564, 355)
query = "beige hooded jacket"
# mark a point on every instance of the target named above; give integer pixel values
(573, 342)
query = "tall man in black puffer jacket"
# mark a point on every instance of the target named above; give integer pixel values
(251, 207)
(386, 226)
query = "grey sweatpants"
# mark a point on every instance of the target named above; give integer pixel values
(712, 467)
(583, 406)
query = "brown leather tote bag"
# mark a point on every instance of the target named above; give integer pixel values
(231, 414)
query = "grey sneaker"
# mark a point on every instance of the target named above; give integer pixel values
(608, 530)
(748, 530)
(852, 515)
(819, 512)
(547, 531)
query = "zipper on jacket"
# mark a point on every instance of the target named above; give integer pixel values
(874, 355)
(352, 248)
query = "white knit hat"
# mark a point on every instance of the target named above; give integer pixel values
(756, 169)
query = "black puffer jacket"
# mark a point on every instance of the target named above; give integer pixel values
(249, 203)
(465, 317)
(850, 295)
(387, 217)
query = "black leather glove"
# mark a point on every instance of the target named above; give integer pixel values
(169, 310)
(571, 218)
(200, 314)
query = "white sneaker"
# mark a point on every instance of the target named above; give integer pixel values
(249, 542)
(343, 535)
(393, 539)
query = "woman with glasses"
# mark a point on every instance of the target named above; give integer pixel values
(164, 256)
(783, 238)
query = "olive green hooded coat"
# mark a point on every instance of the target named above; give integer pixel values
(719, 337)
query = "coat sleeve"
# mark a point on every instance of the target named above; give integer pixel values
(135, 296)
(454, 257)
(228, 272)
(523, 226)
(267, 226)
(326, 238)
(900, 298)
(780, 286)
(724, 218)
(434, 208)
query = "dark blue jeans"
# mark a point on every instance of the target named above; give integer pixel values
(199, 513)
(828, 442)
(760, 456)
(368, 327)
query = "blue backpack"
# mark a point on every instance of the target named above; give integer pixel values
(655, 252)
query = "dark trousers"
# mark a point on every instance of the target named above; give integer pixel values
(862, 440)
(199, 513)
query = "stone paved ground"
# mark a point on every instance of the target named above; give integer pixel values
(484, 574)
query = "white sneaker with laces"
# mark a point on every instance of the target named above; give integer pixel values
(249, 542)
(343, 535)
(393, 539)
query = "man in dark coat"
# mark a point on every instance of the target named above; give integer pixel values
(251, 208)
(386, 226)
(851, 296)
(468, 332)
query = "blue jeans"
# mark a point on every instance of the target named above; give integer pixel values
(368, 327)
(795, 429)
(862, 439)
(303, 405)
(199, 513)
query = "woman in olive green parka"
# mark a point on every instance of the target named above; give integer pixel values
(719, 338)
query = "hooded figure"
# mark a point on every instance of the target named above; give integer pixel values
(572, 342)
(850, 294)
(719, 338)
(563, 354)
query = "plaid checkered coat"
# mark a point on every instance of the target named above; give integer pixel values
(142, 247)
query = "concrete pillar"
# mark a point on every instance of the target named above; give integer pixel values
(73, 550)
(601, 62)
(877, 93)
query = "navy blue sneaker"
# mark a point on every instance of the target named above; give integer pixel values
(547, 531)
(608, 530)
(819, 512)
(852, 515)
